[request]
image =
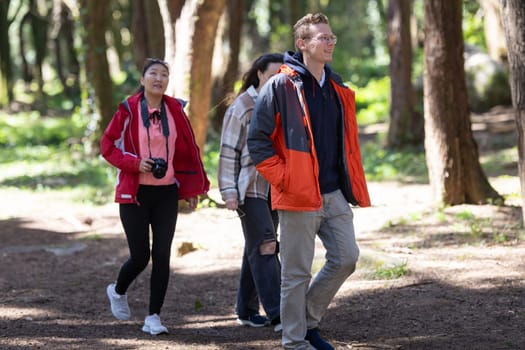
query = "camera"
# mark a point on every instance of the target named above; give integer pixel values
(159, 167)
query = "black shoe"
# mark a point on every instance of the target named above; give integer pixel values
(253, 321)
(313, 336)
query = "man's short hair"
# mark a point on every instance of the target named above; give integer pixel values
(301, 29)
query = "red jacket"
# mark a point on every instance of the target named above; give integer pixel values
(280, 142)
(119, 145)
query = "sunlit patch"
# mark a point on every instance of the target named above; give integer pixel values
(29, 314)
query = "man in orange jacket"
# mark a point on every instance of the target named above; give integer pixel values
(303, 139)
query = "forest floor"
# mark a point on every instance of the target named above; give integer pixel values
(460, 276)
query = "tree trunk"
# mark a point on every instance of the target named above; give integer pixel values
(226, 84)
(494, 30)
(39, 32)
(208, 15)
(6, 69)
(406, 126)
(170, 11)
(148, 31)
(513, 14)
(95, 18)
(193, 62)
(62, 35)
(452, 156)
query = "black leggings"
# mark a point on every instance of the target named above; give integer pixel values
(158, 207)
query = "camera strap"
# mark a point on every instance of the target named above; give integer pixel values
(163, 119)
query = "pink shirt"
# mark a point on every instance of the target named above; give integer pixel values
(158, 148)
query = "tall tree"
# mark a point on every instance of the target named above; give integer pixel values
(35, 23)
(193, 62)
(513, 14)
(493, 30)
(95, 18)
(208, 15)
(406, 126)
(170, 11)
(6, 63)
(148, 31)
(235, 12)
(455, 173)
(62, 35)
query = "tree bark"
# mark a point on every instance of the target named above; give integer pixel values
(208, 15)
(6, 71)
(493, 29)
(513, 14)
(455, 174)
(39, 25)
(62, 35)
(148, 31)
(406, 126)
(95, 19)
(193, 62)
(231, 74)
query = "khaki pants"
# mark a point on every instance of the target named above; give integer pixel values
(303, 304)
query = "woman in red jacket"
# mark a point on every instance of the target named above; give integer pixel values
(151, 143)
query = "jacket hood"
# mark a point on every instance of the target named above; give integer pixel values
(295, 60)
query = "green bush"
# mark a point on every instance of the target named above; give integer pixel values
(407, 165)
(47, 153)
(26, 129)
(372, 102)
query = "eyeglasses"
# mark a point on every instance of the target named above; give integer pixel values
(325, 39)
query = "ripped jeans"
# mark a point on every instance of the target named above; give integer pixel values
(260, 277)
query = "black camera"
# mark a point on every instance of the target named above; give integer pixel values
(159, 167)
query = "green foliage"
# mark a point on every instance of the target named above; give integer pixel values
(47, 154)
(499, 162)
(392, 271)
(95, 237)
(384, 267)
(473, 32)
(384, 165)
(211, 160)
(373, 101)
(26, 129)
(198, 305)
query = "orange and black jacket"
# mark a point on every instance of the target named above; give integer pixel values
(280, 142)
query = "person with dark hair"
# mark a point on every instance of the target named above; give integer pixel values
(151, 143)
(245, 191)
(303, 139)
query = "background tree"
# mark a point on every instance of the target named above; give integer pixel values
(148, 31)
(6, 63)
(405, 125)
(513, 14)
(493, 28)
(33, 30)
(455, 173)
(225, 85)
(95, 16)
(62, 35)
(193, 60)
(170, 11)
(208, 15)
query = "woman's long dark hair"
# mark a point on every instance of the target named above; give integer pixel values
(260, 64)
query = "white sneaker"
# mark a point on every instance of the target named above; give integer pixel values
(119, 303)
(153, 326)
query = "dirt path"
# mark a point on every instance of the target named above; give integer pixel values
(464, 287)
